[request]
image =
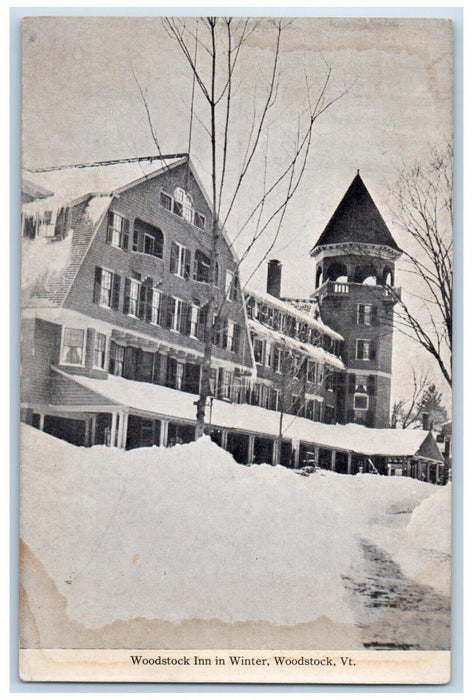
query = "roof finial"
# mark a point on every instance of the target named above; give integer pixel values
(358, 171)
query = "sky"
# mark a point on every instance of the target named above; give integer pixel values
(392, 81)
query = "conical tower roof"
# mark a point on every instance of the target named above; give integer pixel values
(357, 220)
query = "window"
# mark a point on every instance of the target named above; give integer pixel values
(194, 320)
(175, 374)
(364, 314)
(176, 311)
(258, 349)
(228, 337)
(199, 220)
(268, 354)
(330, 380)
(311, 371)
(106, 288)
(165, 200)
(132, 290)
(365, 349)
(117, 231)
(182, 204)
(180, 260)
(360, 402)
(277, 360)
(73, 346)
(47, 224)
(231, 285)
(201, 267)
(99, 350)
(147, 239)
(117, 359)
(155, 303)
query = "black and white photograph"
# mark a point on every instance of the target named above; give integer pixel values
(236, 349)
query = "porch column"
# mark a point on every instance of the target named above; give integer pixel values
(93, 428)
(87, 433)
(316, 455)
(113, 429)
(333, 457)
(224, 439)
(163, 437)
(349, 465)
(276, 452)
(124, 431)
(41, 421)
(296, 450)
(437, 473)
(251, 449)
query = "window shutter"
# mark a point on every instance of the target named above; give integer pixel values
(201, 324)
(170, 312)
(89, 347)
(351, 383)
(156, 368)
(163, 310)
(148, 302)
(236, 339)
(129, 369)
(142, 301)
(374, 315)
(194, 273)
(125, 234)
(184, 320)
(126, 301)
(187, 263)
(174, 257)
(108, 236)
(371, 385)
(171, 372)
(188, 317)
(115, 292)
(373, 350)
(359, 314)
(97, 284)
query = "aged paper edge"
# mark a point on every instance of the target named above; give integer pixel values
(116, 665)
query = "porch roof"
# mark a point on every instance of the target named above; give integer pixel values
(178, 405)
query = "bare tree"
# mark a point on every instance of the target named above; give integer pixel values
(423, 196)
(212, 49)
(407, 412)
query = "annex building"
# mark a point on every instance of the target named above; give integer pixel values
(115, 286)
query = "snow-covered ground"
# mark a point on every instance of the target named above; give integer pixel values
(186, 533)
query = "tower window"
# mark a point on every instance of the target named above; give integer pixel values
(364, 314)
(365, 349)
(360, 402)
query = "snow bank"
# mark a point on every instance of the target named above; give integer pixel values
(429, 526)
(185, 533)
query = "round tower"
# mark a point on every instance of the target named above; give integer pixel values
(354, 285)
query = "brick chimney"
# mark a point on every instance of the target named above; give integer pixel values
(426, 421)
(273, 284)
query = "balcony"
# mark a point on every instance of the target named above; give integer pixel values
(343, 289)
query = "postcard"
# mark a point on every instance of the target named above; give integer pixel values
(236, 335)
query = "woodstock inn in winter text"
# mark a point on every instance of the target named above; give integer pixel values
(116, 273)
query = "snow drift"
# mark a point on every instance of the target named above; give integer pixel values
(186, 533)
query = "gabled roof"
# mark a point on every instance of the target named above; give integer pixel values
(357, 220)
(71, 183)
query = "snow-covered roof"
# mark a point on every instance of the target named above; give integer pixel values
(71, 183)
(318, 354)
(175, 404)
(287, 308)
